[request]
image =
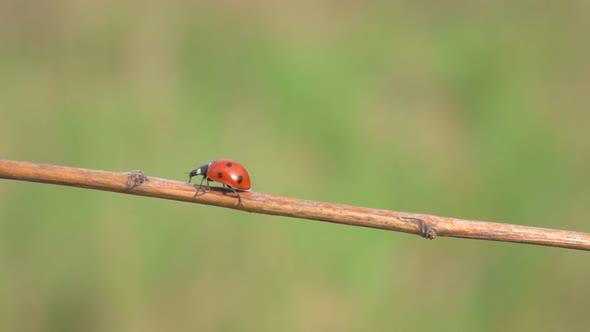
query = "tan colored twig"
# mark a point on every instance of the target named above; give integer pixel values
(428, 226)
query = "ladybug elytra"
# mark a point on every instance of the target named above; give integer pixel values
(229, 173)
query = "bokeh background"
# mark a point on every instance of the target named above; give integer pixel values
(469, 109)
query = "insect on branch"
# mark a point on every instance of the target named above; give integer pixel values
(427, 226)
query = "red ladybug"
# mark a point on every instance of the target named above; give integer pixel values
(227, 172)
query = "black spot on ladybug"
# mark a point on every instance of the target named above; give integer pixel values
(229, 164)
(240, 179)
(219, 175)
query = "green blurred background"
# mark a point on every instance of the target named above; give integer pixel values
(469, 109)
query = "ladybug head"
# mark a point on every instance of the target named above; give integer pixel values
(202, 170)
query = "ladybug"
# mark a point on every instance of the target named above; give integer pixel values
(227, 172)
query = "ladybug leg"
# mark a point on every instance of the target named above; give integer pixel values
(201, 186)
(208, 186)
(237, 194)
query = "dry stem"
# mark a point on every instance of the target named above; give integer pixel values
(428, 226)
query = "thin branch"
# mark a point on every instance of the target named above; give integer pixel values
(428, 226)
